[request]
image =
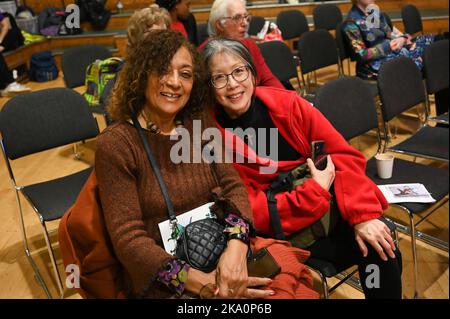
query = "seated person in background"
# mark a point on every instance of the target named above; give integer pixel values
(359, 237)
(10, 35)
(230, 19)
(8, 85)
(162, 85)
(181, 17)
(375, 45)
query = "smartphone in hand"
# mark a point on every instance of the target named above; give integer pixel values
(319, 154)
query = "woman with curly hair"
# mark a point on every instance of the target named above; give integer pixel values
(161, 85)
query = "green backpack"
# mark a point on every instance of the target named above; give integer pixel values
(98, 73)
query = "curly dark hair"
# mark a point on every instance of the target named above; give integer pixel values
(153, 55)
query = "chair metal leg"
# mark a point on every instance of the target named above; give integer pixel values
(75, 152)
(323, 282)
(37, 273)
(53, 259)
(413, 248)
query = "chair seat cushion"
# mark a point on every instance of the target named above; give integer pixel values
(53, 198)
(434, 179)
(428, 141)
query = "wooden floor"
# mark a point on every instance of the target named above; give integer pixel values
(16, 275)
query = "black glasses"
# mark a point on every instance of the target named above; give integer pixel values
(239, 18)
(240, 74)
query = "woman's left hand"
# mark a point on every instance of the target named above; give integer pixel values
(378, 235)
(231, 275)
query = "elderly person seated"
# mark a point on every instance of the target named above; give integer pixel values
(230, 19)
(375, 43)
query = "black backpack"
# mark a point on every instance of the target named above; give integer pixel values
(43, 67)
(94, 11)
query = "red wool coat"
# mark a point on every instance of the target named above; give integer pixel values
(358, 198)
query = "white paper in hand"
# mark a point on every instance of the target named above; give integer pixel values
(184, 219)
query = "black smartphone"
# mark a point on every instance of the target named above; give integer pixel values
(262, 264)
(319, 154)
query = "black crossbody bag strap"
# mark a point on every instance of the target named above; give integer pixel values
(156, 170)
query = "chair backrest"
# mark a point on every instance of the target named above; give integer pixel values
(279, 59)
(317, 49)
(341, 42)
(412, 19)
(388, 19)
(74, 62)
(202, 32)
(436, 66)
(349, 106)
(292, 24)
(256, 24)
(400, 87)
(45, 119)
(327, 16)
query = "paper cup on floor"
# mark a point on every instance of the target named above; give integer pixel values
(385, 165)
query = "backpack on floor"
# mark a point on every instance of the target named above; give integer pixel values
(43, 67)
(98, 74)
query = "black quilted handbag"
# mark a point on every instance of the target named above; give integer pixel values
(201, 244)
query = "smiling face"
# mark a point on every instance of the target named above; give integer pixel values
(167, 94)
(235, 97)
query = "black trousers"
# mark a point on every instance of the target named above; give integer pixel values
(379, 279)
(5, 74)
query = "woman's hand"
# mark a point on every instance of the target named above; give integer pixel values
(231, 276)
(325, 177)
(377, 234)
(397, 43)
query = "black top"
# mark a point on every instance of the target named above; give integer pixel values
(257, 117)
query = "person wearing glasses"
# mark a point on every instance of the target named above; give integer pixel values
(360, 237)
(230, 19)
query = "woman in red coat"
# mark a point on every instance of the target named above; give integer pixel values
(360, 237)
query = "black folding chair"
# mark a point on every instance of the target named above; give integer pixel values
(36, 122)
(280, 61)
(316, 49)
(74, 62)
(347, 104)
(292, 24)
(436, 66)
(412, 19)
(327, 16)
(256, 24)
(401, 87)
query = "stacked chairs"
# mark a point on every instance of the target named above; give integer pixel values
(347, 104)
(36, 122)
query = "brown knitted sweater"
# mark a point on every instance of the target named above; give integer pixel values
(133, 204)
